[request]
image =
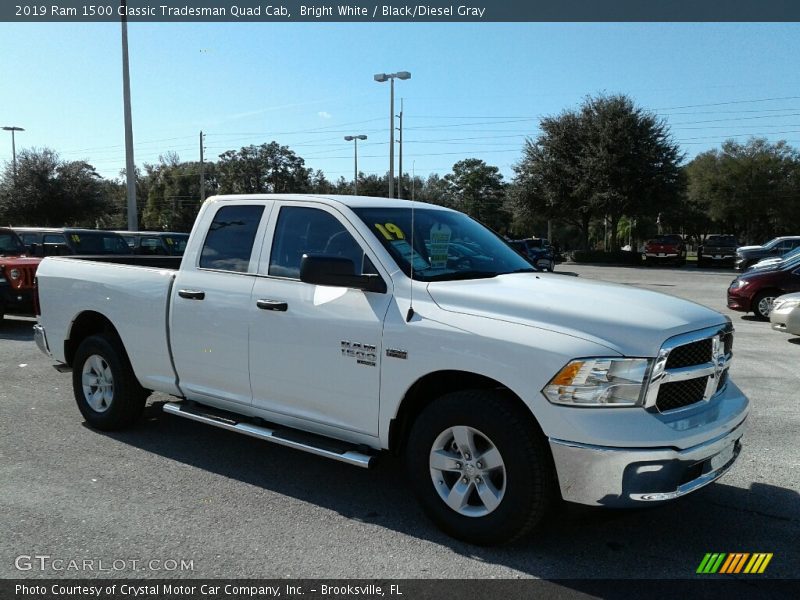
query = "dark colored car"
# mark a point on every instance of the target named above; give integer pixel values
(156, 243)
(538, 252)
(756, 291)
(717, 250)
(51, 241)
(665, 248)
(749, 255)
(17, 272)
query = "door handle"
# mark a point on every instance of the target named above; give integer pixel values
(272, 305)
(191, 294)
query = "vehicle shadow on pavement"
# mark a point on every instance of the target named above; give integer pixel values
(16, 329)
(795, 341)
(664, 541)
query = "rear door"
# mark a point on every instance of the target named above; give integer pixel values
(211, 302)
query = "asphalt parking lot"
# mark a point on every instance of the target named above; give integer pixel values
(171, 489)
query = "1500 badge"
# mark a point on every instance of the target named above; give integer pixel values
(365, 354)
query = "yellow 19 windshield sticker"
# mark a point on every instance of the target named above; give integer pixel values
(390, 231)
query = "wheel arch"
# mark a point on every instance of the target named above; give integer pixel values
(431, 386)
(86, 324)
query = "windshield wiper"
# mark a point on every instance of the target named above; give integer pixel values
(525, 270)
(455, 275)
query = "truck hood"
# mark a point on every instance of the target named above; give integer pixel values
(629, 320)
(748, 248)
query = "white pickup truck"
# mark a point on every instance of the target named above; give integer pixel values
(350, 326)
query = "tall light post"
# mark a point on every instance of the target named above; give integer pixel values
(14, 148)
(390, 77)
(130, 165)
(354, 139)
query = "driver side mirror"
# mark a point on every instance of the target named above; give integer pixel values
(338, 272)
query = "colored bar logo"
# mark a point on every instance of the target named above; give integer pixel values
(734, 563)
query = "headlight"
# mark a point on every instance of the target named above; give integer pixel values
(14, 274)
(600, 382)
(785, 304)
(739, 284)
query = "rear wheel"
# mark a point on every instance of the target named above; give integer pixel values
(480, 467)
(762, 304)
(105, 388)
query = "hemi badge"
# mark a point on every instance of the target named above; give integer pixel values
(391, 352)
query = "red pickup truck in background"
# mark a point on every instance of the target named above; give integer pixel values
(17, 272)
(665, 248)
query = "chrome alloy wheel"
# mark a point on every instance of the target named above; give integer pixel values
(765, 305)
(98, 383)
(467, 471)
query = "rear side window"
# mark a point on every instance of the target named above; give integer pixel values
(230, 238)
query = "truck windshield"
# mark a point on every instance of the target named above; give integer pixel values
(10, 245)
(446, 245)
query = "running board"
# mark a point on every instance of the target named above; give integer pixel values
(292, 438)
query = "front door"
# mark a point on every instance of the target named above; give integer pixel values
(315, 351)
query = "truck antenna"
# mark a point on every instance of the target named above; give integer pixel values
(410, 313)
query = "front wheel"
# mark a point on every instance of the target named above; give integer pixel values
(480, 467)
(762, 304)
(105, 387)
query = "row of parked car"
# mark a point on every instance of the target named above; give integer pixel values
(22, 249)
(720, 250)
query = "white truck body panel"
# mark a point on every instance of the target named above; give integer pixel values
(302, 367)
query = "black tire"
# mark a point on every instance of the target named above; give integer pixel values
(528, 480)
(124, 400)
(758, 309)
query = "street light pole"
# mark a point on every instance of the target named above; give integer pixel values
(14, 149)
(354, 139)
(390, 77)
(130, 166)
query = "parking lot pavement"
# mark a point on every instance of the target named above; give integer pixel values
(172, 489)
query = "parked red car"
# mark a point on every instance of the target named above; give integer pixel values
(17, 272)
(755, 291)
(665, 248)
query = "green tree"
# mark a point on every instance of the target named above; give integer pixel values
(478, 190)
(607, 159)
(748, 189)
(173, 193)
(50, 192)
(267, 168)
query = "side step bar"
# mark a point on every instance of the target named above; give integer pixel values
(292, 438)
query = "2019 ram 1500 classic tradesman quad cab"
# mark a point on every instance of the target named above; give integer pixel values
(343, 326)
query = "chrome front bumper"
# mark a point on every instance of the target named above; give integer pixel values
(620, 477)
(40, 337)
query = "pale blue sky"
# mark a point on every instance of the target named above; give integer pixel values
(476, 89)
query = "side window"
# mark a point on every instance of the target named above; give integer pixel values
(52, 238)
(309, 231)
(151, 245)
(229, 242)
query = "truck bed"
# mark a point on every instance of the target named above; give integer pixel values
(132, 292)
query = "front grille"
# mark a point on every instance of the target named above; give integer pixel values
(696, 353)
(677, 394)
(727, 340)
(26, 277)
(723, 379)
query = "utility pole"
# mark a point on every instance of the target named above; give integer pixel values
(130, 166)
(202, 172)
(400, 174)
(14, 148)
